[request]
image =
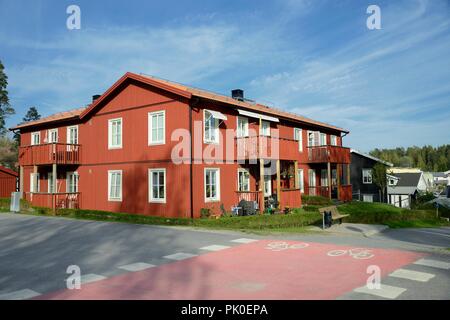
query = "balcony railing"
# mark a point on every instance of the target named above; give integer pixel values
(333, 154)
(290, 198)
(264, 147)
(50, 153)
(60, 200)
(249, 196)
(345, 192)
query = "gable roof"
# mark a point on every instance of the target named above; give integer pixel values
(409, 179)
(8, 171)
(180, 90)
(371, 157)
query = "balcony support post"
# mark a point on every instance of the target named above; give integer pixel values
(21, 181)
(54, 179)
(338, 174)
(278, 183)
(261, 185)
(296, 181)
(329, 179)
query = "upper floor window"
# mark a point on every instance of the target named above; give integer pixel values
(157, 127)
(311, 139)
(323, 139)
(52, 135)
(211, 128)
(265, 128)
(72, 182)
(212, 184)
(333, 140)
(243, 180)
(242, 127)
(367, 176)
(115, 185)
(115, 133)
(157, 183)
(298, 137)
(35, 138)
(72, 135)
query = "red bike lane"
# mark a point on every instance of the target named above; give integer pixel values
(259, 270)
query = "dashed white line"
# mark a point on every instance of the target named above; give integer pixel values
(214, 247)
(138, 266)
(19, 295)
(412, 275)
(91, 277)
(244, 240)
(385, 291)
(433, 263)
(180, 256)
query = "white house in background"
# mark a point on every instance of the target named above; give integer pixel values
(403, 187)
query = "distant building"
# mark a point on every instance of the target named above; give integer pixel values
(403, 187)
(8, 182)
(364, 189)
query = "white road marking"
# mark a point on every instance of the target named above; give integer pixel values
(19, 295)
(180, 256)
(138, 266)
(433, 263)
(243, 240)
(91, 277)
(385, 291)
(433, 232)
(214, 247)
(412, 275)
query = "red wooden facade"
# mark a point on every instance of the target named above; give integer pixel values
(8, 182)
(132, 99)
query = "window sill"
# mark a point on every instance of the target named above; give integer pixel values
(156, 143)
(115, 200)
(158, 201)
(114, 148)
(212, 200)
(211, 142)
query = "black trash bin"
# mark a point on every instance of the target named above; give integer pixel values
(328, 219)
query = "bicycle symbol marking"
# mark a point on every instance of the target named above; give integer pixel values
(282, 245)
(356, 253)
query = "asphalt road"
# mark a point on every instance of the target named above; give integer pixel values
(36, 251)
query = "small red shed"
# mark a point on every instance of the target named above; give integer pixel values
(8, 182)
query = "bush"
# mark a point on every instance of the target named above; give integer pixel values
(315, 200)
(205, 212)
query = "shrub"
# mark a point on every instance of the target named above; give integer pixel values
(315, 200)
(205, 212)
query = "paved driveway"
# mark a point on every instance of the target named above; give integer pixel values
(134, 261)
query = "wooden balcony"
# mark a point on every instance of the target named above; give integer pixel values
(249, 196)
(64, 200)
(332, 154)
(343, 194)
(50, 153)
(263, 147)
(290, 198)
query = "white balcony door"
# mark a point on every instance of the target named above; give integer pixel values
(312, 181)
(267, 186)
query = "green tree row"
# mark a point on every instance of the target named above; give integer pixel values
(427, 158)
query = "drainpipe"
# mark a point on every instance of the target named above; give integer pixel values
(191, 165)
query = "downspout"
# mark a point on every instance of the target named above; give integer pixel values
(191, 165)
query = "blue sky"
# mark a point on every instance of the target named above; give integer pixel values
(389, 87)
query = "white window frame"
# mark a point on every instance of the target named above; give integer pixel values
(76, 179)
(324, 178)
(365, 175)
(367, 197)
(50, 182)
(298, 137)
(239, 173)
(217, 197)
(50, 132)
(152, 142)
(267, 190)
(264, 129)
(310, 143)
(215, 129)
(333, 140)
(301, 180)
(32, 182)
(119, 134)
(38, 135)
(239, 132)
(150, 185)
(322, 139)
(110, 173)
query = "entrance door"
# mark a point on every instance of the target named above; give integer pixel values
(312, 182)
(267, 186)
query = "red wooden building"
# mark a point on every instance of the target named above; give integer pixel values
(8, 182)
(155, 147)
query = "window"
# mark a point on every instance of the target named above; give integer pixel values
(323, 139)
(115, 133)
(72, 182)
(242, 127)
(368, 197)
(333, 140)
(298, 137)
(157, 183)
(157, 127)
(51, 187)
(211, 128)
(34, 182)
(324, 178)
(52, 135)
(115, 185)
(265, 128)
(312, 182)
(311, 140)
(212, 185)
(392, 182)
(35, 138)
(243, 180)
(367, 176)
(267, 186)
(301, 181)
